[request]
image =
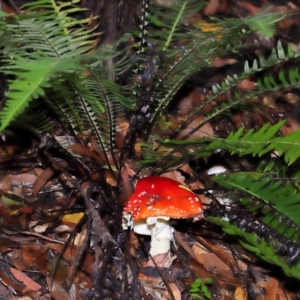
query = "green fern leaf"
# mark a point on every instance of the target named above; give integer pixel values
(275, 199)
(33, 78)
(264, 249)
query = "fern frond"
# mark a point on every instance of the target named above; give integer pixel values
(47, 33)
(266, 250)
(269, 83)
(263, 141)
(35, 119)
(277, 200)
(203, 49)
(255, 143)
(42, 46)
(54, 54)
(33, 77)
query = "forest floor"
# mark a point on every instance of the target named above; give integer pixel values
(45, 246)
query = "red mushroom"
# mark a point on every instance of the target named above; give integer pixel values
(156, 200)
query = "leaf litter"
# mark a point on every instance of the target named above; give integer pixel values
(61, 234)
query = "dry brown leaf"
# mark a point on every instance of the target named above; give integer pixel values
(175, 292)
(224, 254)
(20, 276)
(17, 259)
(179, 240)
(199, 270)
(57, 268)
(122, 124)
(247, 84)
(226, 297)
(5, 183)
(194, 131)
(163, 260)
(127, 188)
(290, 126)
(220, 62)
(34, 255)
(57, 291)
(253, 10)
(274, 291)
(210, 260)
(212, 7)
(152, 282)
(85, 151)
(240, 294)
(8, 279)
(70, 254)
(80, 237)
(188, 103)
(110, 178)
(42, 180)
(175, 175)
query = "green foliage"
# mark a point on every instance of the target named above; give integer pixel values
(177, 65)
(261, 247)
(252, 142)
(50, 57)
(264, 22)
(271, 202)
(199, 289)
(269, 82)
(276, 199)
(33, 77)
(263, 141)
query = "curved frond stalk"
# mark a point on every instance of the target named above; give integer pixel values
(263, 141)
(278, 201)
(43, 45)
(109, 94)
(35, 119)
(256, 143)
(195, 55)
(268, 250)
(85, 113)
(89, 104)
(269, 83)
(175, 25)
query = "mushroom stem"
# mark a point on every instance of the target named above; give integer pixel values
(161, 235)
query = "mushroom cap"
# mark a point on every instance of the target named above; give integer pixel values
(159, 196)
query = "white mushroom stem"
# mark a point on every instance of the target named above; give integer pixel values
(157, 227)
(161, 235)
